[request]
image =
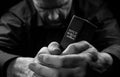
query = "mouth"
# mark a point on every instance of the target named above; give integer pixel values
(56, 22)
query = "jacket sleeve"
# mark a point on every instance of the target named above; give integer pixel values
(11, 36)
(108, 33)
(107, 38)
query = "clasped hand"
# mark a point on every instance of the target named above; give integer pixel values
(72, 62)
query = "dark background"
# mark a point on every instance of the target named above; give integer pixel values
(6, 4)
(113, 5)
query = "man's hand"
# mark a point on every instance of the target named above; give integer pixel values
(98, 61)
(48, 71)
(52, 49)
(42, 70)
(19, 67)
(59, 65)
(72, 62)
(78, 55)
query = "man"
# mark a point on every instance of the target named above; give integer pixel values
(32, 24)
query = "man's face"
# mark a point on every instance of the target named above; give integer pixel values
(53, 12)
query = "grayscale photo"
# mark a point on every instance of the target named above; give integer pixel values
(59, 38)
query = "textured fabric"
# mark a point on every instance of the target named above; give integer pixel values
(23, 33)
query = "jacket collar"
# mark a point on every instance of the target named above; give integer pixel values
(30, 4)
(34, 12)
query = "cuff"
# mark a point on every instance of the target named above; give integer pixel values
(5, 59)
(114, 50)
(114, 69)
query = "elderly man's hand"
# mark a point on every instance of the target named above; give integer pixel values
(49, 70)
(98, 61)
(72, 62)
(20, 66)
(42, 70)
(59, 65)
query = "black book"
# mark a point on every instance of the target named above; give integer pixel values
(79, 29)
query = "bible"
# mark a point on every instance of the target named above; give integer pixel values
(78, 29)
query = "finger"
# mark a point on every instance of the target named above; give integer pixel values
(54, 48)
(66, 61)
(50, 60)
(43, 71)
(73, 61)
(79, 72)
(93, 54)
(76, 48)
(43, 50)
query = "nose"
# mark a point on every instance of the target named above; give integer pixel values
(53, 16)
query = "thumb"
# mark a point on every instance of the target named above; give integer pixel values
(76, 48)
(65, 61)
(54, 49)
(43, 50)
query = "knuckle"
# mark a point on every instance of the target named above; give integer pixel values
(72, 45)
(53, 44)
(43, 50)
(46, 59)
(84, 42)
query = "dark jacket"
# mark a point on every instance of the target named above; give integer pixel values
(22, 32)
